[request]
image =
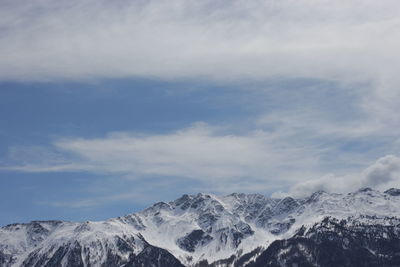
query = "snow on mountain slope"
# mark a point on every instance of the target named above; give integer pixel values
(218, 227)
(192, 228)
(367, 241)
(54, 243)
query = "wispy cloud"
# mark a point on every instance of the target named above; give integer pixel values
(351, 46)
(88, 202)
(258, 161)
(353, 43)
(222, 40)
(199, 153)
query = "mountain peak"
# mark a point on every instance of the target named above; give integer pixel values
(393, 192)
(190, 229)
(365, 189)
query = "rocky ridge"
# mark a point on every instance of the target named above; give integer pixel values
(208, 230)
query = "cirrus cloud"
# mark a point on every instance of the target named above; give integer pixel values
(222, 40)
(200, 153)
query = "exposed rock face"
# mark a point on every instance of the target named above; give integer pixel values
(337, 243)
(393, 192)
(152, 257)
(355, 229)
(52, 243)
(195, 238)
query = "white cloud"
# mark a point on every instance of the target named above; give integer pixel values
(258, 161)
(96, 201)
(198, 153)
(353, 43)
(382, 174)
(348, 40)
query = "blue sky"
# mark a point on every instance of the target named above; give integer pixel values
(106, 107)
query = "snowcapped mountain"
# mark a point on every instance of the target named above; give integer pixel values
(209, 230)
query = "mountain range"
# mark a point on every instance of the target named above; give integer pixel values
(360, 228)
